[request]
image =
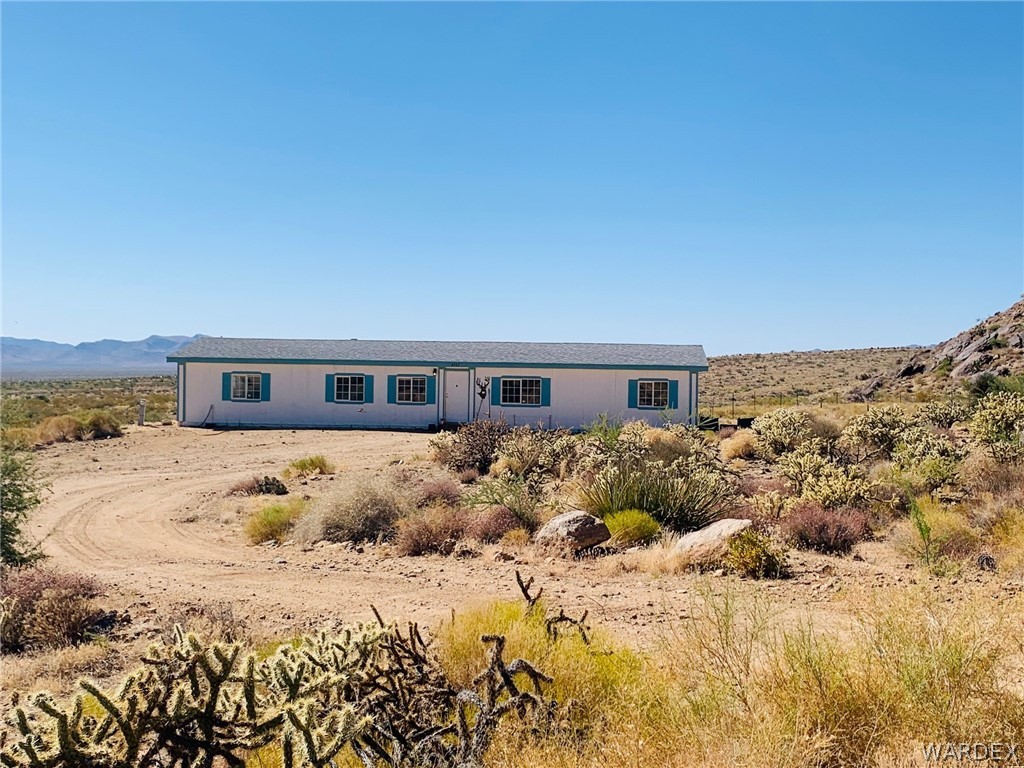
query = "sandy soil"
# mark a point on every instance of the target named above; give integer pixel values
(146, 514)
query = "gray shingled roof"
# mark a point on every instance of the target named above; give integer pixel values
(440, 353)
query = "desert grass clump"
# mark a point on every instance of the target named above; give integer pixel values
(436, 530)
(679, 498)
(632, 527)
(366, 510)
(274, 522)
(587, 671)
(742, 444)
(99, 425)
(61, 429)
(938, 535)
(308, 466)
(831, 531)
(45, 608)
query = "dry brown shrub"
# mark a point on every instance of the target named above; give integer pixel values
(434, 530)
(44, 608)
(61, 429)
(490, 524)
(741, 445)
(439, 490)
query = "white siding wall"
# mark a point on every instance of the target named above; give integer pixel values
(579, 395)
(298, 397)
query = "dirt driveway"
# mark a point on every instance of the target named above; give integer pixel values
(145, 513)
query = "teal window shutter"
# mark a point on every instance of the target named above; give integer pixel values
(367, 389)
(225, 386)
(264, 387)
(673, 394)
(392, 389)
(431, 390)
(545, 391)
(495, 390)
(329, 388)
(633, 387)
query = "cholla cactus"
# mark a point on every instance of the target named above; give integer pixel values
(781, 431)
(876, 434)
(770, 505)
(944, 413)
(920, 444)
(528, 452)
(835, 486)
(372, 688)
(998, 424)
(800, 466)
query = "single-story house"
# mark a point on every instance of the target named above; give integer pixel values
(426, 384)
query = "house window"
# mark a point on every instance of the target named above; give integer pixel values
(520, 391)
(652, 394)
(411, 389)
(245, 386)
(349, 389)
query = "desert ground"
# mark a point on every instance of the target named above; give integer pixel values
(149, 515)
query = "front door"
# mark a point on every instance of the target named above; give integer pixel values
(458, 395)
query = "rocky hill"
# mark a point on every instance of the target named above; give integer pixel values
(995, 346)
(21, 358)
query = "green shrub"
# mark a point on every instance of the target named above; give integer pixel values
(752, 554)
(274, 522)
(632, 527)
(514, 493)
(309, 466)
(472, 446)
(604, 430)
(20, 492)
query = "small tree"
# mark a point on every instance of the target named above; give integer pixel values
(20, 493)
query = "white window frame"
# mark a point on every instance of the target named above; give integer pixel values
(350, 378)
(251, 387)
(413, 397)
(655, 385)
(520, 381)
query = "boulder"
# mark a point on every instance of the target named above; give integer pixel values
(709, 546)
(573, 530)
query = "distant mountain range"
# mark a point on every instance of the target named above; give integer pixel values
(21, 358)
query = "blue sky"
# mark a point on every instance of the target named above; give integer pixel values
(753, 177)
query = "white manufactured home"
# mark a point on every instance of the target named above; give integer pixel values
(428, 384)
